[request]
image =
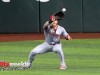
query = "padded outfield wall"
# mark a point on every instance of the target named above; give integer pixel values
(19, 16)
(28, 16)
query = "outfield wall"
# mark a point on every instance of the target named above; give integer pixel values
(19, 16)
(28, 16)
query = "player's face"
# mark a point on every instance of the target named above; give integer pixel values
(54, 23)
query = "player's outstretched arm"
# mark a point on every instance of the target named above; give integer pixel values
(52, 18)
(45, 26)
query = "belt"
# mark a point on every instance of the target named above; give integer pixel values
(54, 43)
(51, 44)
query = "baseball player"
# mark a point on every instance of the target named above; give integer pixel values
(52, 33)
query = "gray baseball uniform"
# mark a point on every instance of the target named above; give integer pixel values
(51, 44)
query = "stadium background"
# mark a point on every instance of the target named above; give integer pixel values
(21, 24)
(28, 16)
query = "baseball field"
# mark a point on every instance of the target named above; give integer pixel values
(82, 57)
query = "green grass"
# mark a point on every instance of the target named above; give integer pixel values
(82, 57)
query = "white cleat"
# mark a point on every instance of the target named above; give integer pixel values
(29, 65)
(62, 67)
(26, 65)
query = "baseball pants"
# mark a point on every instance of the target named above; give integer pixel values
(44, 48)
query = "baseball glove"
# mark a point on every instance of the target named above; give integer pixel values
(59, 15)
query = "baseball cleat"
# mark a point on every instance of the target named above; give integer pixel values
(62, 67)
(29, 65)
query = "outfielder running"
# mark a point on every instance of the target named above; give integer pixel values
(52, 33)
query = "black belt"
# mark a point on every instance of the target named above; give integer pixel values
(54, 43)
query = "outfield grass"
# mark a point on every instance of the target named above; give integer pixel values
(82, 57)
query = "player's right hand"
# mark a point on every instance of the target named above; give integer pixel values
(52, 18)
